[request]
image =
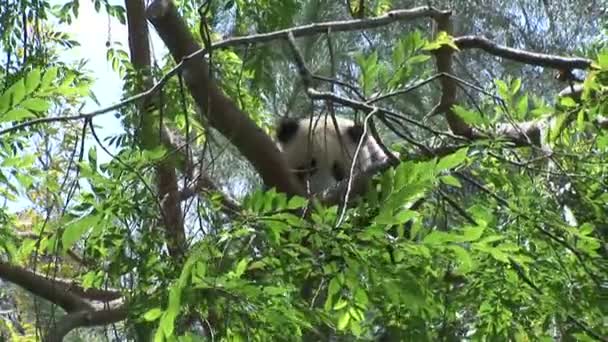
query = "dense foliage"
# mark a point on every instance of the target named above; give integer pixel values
(475, 239)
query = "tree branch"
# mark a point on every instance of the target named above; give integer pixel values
(85, 319)
(443, 58)
(53, 291)
(521, 134)
(222, 112)
(365, 107)
(166, 179)
(527, 57)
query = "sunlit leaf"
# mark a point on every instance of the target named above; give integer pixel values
(17, 114)
(343, 320)
(451, 180)
(468, 116)
(522, 107)
(241, 267)
(49, 76)
(76, 229)
(153, 314)
(32, 80)
(473, 233)
(296, 202)
(35, 104)
(452, 160)
(465, 262)
(340, 304)
(567, 102)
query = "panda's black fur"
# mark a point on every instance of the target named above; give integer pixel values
(320, 152)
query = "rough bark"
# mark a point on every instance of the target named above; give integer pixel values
(222, 112)
(166, 174)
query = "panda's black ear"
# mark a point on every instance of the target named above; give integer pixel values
(286, 129)
(355, 132)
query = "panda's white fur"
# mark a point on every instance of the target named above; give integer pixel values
(322, 155)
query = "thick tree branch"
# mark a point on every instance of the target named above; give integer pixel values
(221, 111)
(166, 181)
(70, 297)
(79, 319)
(333, 26)
(521, 134)
(53, 291)
(527, 57)
(443, 57)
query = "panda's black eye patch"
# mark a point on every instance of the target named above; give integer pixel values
(355, 133)
(338, 172)
(287, 129)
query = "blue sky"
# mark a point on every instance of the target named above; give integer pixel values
(92, 30)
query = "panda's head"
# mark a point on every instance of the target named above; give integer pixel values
(320, 151)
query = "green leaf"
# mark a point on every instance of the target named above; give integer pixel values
(90, 279)
(385, 216)
(361, 297)
(473, 233)
(463, 257)
(356, 313)
(602, 60)
(74, 230)
(450, 180)
(241, 267)
(166, 324)
(586, 229)
(275, 290)
(369, 71)
(334, 286)
(490, 239)
(580, 120)
(18, 90)
(499, 255)
(32, 80)
(35, 104)
(442, 39)
(452, 160)
(503, 89)
(468, 116)
(49, 76)
(438, 238)
(581, 336)
(17, 114)
(508, 247)
(154, 154)
(557, 126)
(567, 102)
(153, 314)
(340, 304)
(5, 102)
(404, 216)
(296, 202)
(602, 142)
(516, 86)
(343, 320)
(418, 59)
(522, 107)
(93, 158)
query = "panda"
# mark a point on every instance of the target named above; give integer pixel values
(320, 151)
